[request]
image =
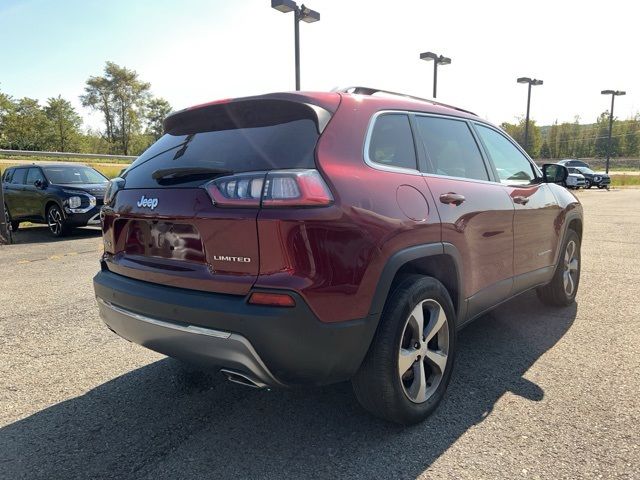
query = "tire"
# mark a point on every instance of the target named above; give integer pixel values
(600, 187)
(562, 289)
(587, 183)
(379, 385)
(14, 225)
(55, 221)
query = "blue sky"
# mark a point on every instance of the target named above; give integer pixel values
(198, 50)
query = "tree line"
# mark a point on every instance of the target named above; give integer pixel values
(132, 120)
(576, 140)
(132, 117)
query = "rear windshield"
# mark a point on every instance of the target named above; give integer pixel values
(251, 136)
(68, 175)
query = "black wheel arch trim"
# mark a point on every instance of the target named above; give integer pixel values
(406, 255)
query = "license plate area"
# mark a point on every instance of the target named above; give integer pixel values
(175, 241)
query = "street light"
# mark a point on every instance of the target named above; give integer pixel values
(437, 60)
(613, 94)
(531, 82)
(299, 13)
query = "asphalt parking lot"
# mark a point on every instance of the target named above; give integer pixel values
(537, 392)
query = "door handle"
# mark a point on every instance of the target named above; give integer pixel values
(452, 198)
(521, 200)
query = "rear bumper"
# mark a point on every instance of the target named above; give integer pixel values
(196, 344)
(273, 346)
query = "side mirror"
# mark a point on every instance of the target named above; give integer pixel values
(39, 184)
(554, 173)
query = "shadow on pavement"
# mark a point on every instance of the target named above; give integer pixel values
(41, 234)
(166, 421)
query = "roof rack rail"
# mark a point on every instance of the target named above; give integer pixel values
(371, 91)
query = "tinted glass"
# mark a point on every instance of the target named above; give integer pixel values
(512, 166)
(19, 175)
(451, 148)
(33, 175)
(249, 136)
(6, 176)
(391, 142)
(586, 170)
(71, 174)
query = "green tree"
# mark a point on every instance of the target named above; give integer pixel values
(120, 96)
(632, 137)
(545, 151)
(156, 110)
(553, 140)
(64, 125)
(26, 125)
(602, 136)
(6, 107)
(516, 131)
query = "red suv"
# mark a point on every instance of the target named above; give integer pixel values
(311, 238)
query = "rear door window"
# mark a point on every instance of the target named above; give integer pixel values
(451, 149)
(19, 175)
(391, 142)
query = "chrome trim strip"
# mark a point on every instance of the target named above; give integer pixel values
(161, 323)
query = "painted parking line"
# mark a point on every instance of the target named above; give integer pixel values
(56, 257)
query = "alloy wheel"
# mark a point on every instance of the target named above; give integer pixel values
(424, 349)
(570, 274)
(54, 219)
(7, 219)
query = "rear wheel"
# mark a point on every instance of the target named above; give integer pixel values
(562, 289)
(56, 223)
(408, 367)
(14, 225)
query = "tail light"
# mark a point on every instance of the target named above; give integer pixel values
(277, 188)
(115, 185)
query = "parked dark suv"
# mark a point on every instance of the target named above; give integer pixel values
(311, 238)
(61, 195)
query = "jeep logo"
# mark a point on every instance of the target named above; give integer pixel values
(147, 202)
(224, 258)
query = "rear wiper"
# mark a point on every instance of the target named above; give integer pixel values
(184, 173)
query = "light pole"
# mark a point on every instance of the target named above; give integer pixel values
(530, 81)
(437, 60)
(299, 13)
(613, 94)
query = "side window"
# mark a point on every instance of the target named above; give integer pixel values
(391, 142)
(451, 148)
(19, 175)
(512, 166)
(33, 175)
(7, 175)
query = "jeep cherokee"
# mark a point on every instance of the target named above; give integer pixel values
(310, 238)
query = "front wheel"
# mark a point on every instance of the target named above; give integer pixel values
(587, 184)
(55, 220)
(562, 289)
(408, 367)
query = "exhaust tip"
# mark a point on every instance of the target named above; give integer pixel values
(242, 379)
